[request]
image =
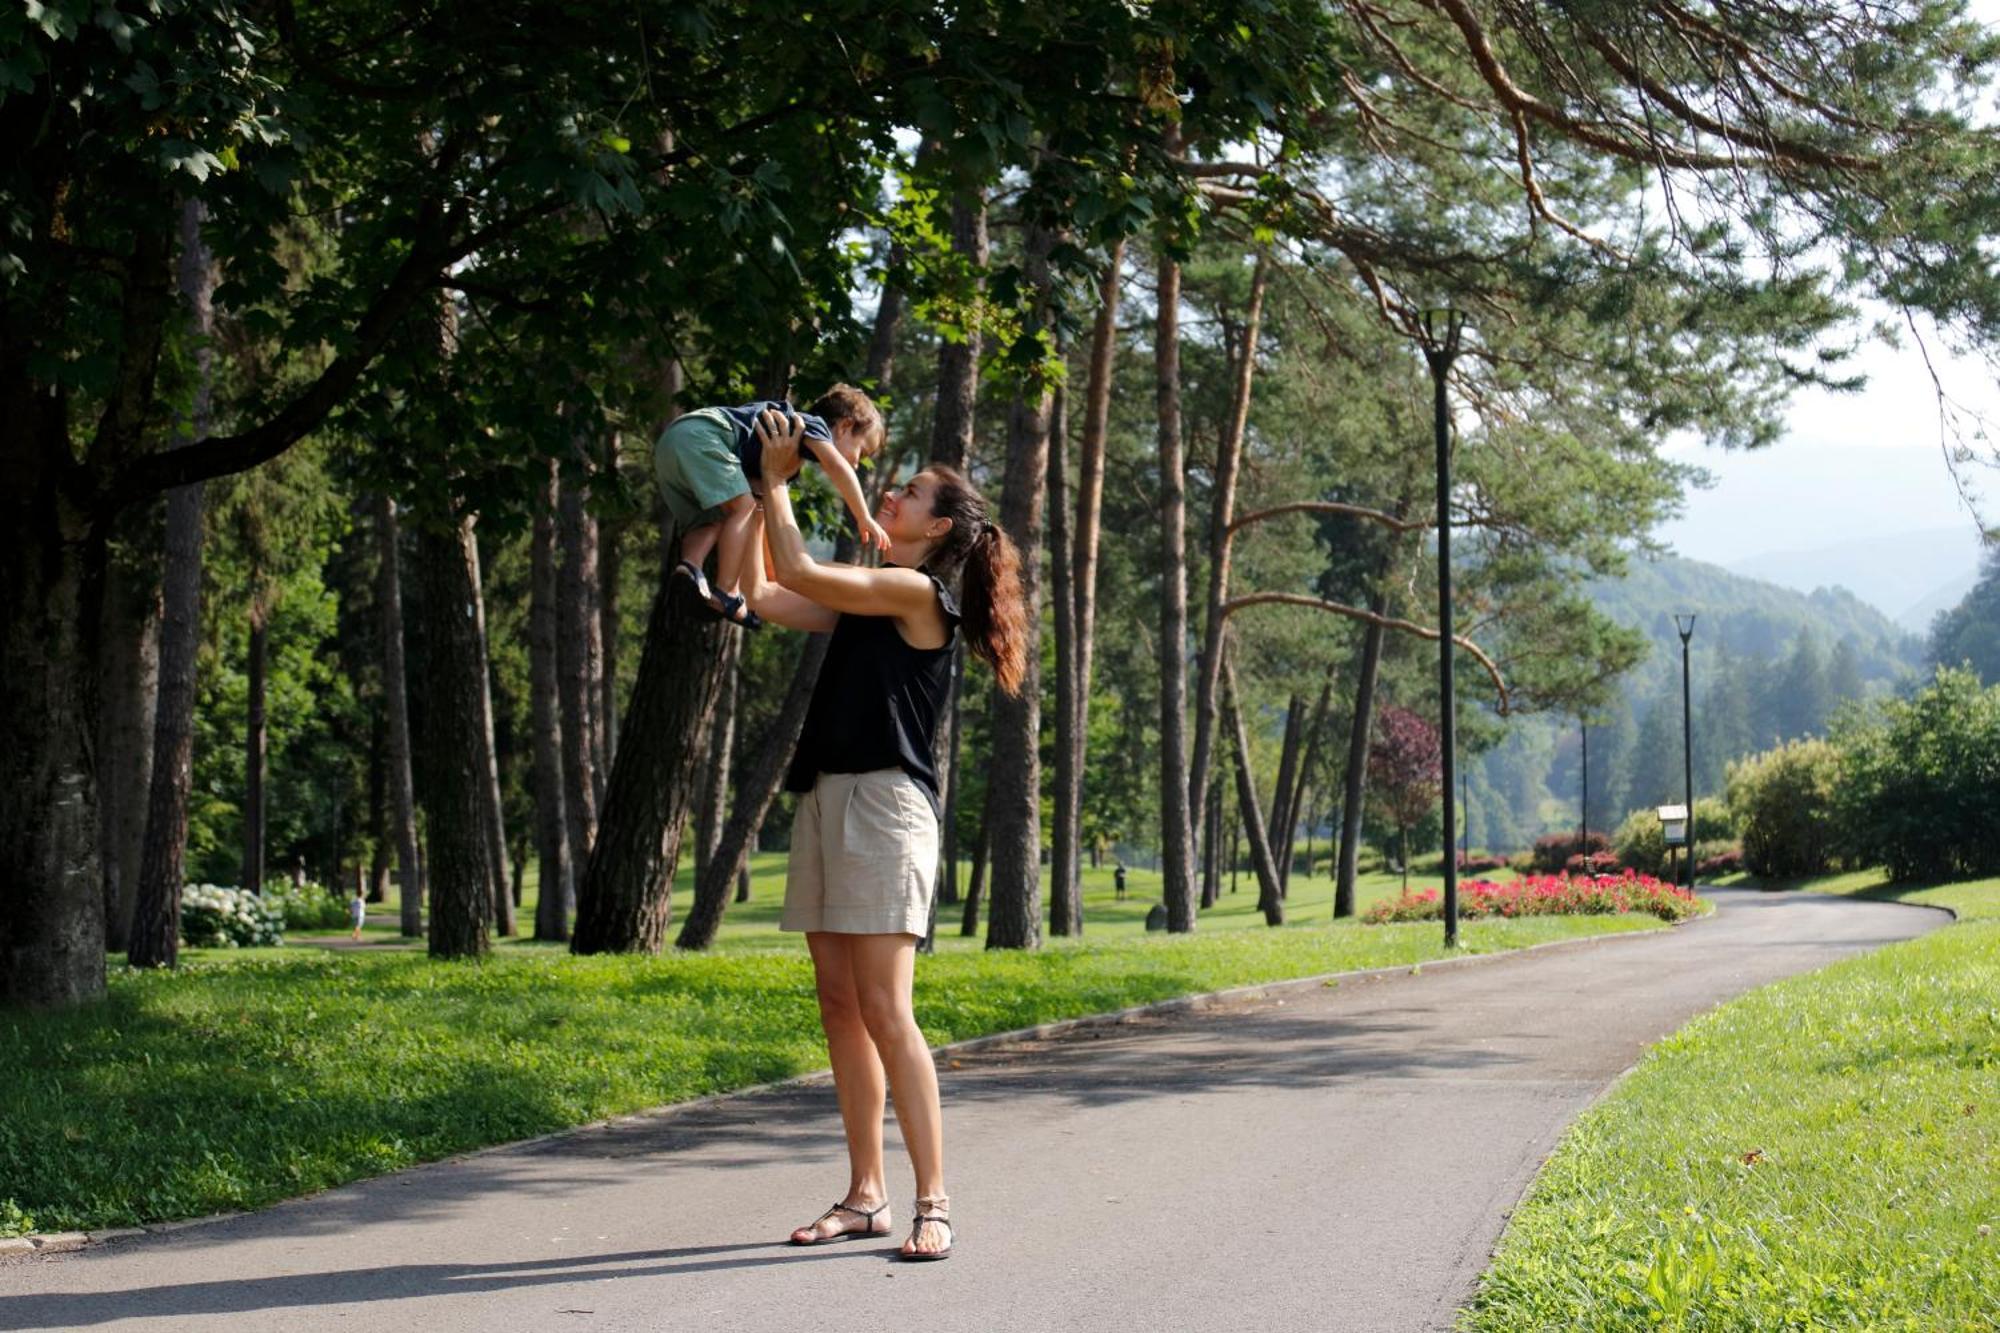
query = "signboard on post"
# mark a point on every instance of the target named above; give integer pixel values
(1674, 823)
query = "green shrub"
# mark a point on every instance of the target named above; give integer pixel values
(1714, 821)
(1922, 782)
(308, 906)
(1784, 803)
(1641, 842)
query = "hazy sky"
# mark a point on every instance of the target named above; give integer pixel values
(1850, 464)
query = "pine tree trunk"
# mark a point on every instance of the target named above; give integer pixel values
(625, 897)
(1270, 900)
(496, 820)
(969, 925)
(718, 752)
(456, 773)
(1280, 832)
(156, 919)
(1307, 766)
(946, 890)
(578, 650)
(128, 690)
(743, 882)
(1211, 846)
(610, 558)
(763, 773)
(396, 703)
(1090, 504)
(1354, 789)
(254, 746)
(1176, 829)
(558, 885)
(379, 859)
(1066, 860)
(1222, 512)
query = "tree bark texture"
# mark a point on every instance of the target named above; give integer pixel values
(1280, 831)
(156, 918)
(968, 925)
(1065, 858)
(127, 691)
(1176, 829)
(625, 897)
(1222, 512)
(1270, 901)
(1014, 774)
(958, 362)
(558, 883)
(496, 821)
(396, 703)
(719, 752)
(1090, 501)
(610, 559)
(580, 656)
(1354, 788)
(458, 829)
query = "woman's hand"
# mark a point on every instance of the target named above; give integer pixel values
(779, 434)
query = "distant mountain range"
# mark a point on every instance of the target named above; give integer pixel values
(1908, 576)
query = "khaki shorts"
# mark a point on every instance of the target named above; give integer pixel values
(864, 856)
(695, 464)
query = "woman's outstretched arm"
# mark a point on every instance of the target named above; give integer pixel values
(780, 606)
(888, 591)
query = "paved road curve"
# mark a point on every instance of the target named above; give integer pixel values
(1342, 1160)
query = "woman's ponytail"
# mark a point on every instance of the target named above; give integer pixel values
(994, 611)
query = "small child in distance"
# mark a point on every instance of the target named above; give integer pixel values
(709, 465)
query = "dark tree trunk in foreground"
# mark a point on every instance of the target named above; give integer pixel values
(496, 823)
(1065, 858)
(463, 876)
(396, 703)
(578, 650)
(156, 920)
(558, 887)
(254, 747)
(1270, 901)
(127, 691)
(1176, 828)
(1280, 831)
(610, 559)
(625, 896)
(1354, 789)
(1014, 774)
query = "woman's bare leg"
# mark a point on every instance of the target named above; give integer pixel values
(883, 967)
(857, 1079)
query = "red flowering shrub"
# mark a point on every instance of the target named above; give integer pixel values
(1722, 863)
(1554, 850)
(1545, 895)
(1479, 862)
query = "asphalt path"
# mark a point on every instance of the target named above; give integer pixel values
(1325, 1158)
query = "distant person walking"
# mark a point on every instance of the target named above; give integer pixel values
(357, 907)
(1118, 879)
(865, 839)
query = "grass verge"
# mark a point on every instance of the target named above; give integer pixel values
(1822, 1153)
(249, 1077)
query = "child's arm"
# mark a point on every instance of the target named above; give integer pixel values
(849, 486)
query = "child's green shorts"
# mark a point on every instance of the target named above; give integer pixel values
(695, 463)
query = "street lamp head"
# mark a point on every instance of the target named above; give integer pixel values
(1685, 624)
(1442, 327)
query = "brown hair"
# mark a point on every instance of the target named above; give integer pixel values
(995, 614)
(844, 402)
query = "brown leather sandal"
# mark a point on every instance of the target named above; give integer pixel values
(868, 1227)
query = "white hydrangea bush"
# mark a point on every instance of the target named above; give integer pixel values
(214, 917)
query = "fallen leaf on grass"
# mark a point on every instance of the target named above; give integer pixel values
(1754, 1156)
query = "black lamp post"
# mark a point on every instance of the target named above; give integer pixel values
(1583, 831)
(1442, 330)
(1685, 624)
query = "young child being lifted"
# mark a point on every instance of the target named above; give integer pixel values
(709, 466)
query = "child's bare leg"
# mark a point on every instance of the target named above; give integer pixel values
(734, 544)
(696, 543)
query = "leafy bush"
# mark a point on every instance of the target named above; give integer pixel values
(308, 906)
(1544, 895)
(1922, 783)
(1553, 850)
(1480, 862)
(1641, 842)
(1784, 802)
(213, 917)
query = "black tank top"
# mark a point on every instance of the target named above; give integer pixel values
(877, 702)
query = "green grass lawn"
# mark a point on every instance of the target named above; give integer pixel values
(250, 1076)
(1822, 1153)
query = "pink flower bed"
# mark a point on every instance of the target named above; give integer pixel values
(1545, 895)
